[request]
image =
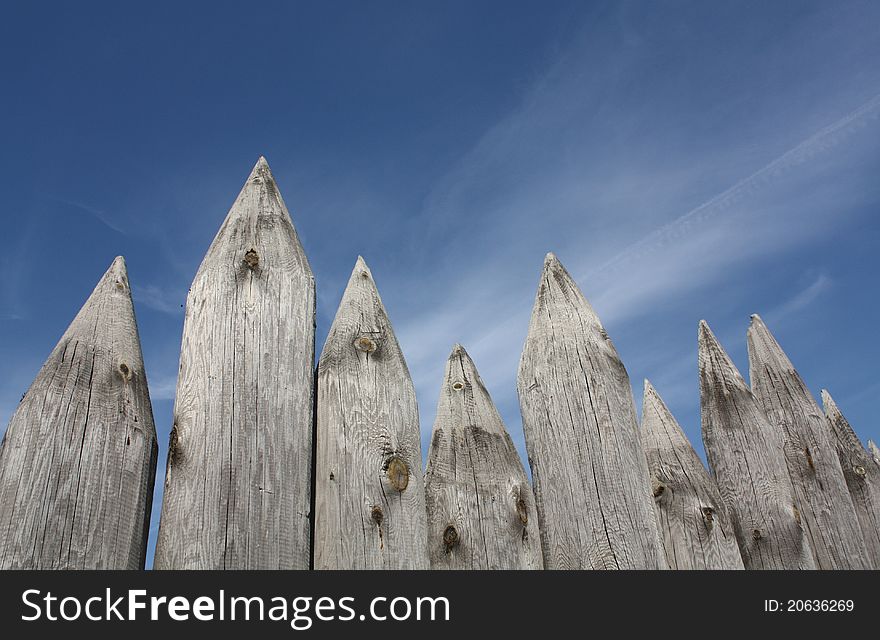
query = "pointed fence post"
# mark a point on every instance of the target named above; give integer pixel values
(592, 488)
(481, 509)
(745, 455)
(861, 474)
(697, 532)
(369, 491)
(819, 486)
(238, 483)
(78, 461)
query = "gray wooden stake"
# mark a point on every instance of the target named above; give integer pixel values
(78, 461)
(481, 509)
(819, 486)
(697, 532)
(862, 476)
(745, 454)
(369, 490)
(592, 489)
(238, 484)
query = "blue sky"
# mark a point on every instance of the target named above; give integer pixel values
(684, 160)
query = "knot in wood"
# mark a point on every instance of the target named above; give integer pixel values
(251, 259)
(756, 534)
(809, 457)
(797, 513)
(522, 511)
(125, 371)
(377, 515)
(859, 470)
(120, 285)
(658, 487)
(708, 514)
(398, 473)
(458, 385)
(365, 344)
(450, 538)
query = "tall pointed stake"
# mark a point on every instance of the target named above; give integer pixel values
(819, 486)
(862, 476)
(592, 488)
(697, 532)
(744, 452)
(238, 484)
(78, 460)
(369, 492)
(481, 509)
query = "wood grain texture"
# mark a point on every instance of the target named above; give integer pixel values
(819, 486)
(874, 451)
(78, 461)
(745, 454)
(369, 490)
(592, 489)
(481, 509)
(861, 474)
(697, 532)
(238, 484)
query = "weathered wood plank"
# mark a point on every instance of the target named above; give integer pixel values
(819, 486)
(861, 474)
(592, 489)
(78, 461)
(874, 451)
(369, 490)
(238, 485)
(745, 454)
(697, 532)
(481, 509)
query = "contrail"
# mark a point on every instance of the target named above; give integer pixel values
(819, 142)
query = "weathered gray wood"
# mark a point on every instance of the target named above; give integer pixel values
(697, 532)
(369, 491)
(238, 485)
(819, 486)
(874, 451)
(592, 489)
(861, 474)
(78, 461)
(481, 509)
(745, 454)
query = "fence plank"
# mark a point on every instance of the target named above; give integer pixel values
(697, 532)
(78, 461)
(238, 484)
(369, 490)
(874, 450)
(481, 509)
(861, 474)
(591, 479)
(745, 454)
(819, 486)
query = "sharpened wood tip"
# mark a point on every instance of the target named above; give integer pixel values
(714, 362)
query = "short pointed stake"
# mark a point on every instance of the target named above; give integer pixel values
(481, 509)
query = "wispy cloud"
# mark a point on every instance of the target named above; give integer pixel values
(159, 298)
(98, 214)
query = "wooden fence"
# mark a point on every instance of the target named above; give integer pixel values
(273, 463)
